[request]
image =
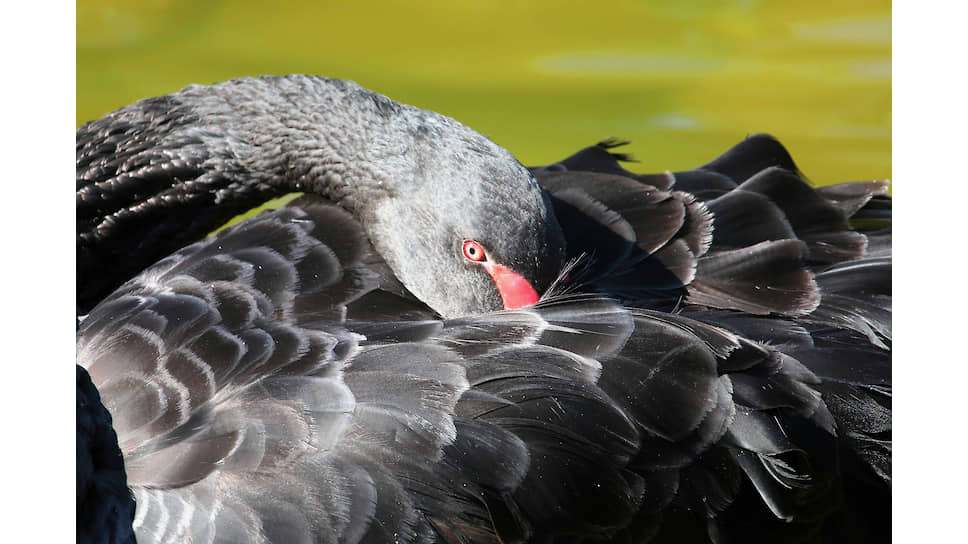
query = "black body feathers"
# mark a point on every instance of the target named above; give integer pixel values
(714, 365)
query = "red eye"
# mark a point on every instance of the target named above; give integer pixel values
(473, 251)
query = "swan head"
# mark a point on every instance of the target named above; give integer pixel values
(476, 234)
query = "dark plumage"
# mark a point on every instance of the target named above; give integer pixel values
(104, 506)
(710, 360)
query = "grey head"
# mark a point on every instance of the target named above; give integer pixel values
(463, 225)
(469, 229)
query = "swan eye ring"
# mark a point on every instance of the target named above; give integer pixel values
(473, 251)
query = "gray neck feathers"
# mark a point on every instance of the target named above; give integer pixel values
(163, 172)
(333, 138)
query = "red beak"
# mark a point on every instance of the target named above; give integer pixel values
(515, 290)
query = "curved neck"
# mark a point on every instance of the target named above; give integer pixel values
(164, 172)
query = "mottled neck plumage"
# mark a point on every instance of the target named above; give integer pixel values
(163, 172)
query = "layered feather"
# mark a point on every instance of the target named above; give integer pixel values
(274, 382)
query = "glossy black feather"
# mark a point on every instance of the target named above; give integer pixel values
(714, 367)
(105, 508)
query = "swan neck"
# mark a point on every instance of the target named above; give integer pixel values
(165, 172)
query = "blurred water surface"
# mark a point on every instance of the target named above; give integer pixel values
(683, 81)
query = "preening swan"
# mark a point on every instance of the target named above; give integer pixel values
(438, 344)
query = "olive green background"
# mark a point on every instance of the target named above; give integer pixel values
(682, 80)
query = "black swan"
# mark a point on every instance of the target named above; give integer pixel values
(437, 344)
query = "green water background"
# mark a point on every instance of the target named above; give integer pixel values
(682, 80)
